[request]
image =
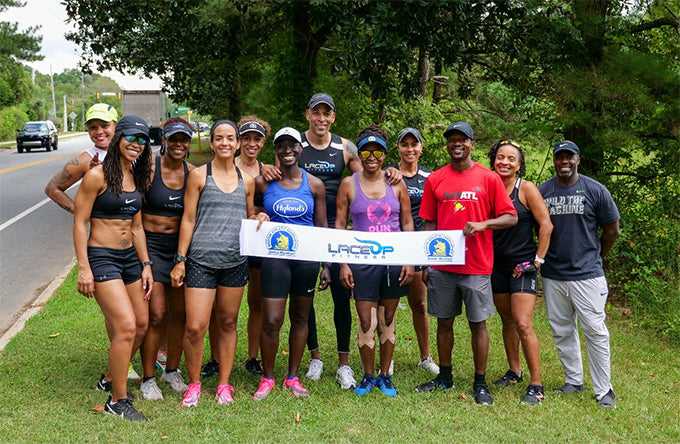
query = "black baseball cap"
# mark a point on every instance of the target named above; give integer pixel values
(566, 145)
(321, 98)
(461, 127)
(175, 128)
(131, 125)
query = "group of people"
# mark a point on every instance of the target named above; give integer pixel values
(162, 258)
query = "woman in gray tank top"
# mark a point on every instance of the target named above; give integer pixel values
(208, 262)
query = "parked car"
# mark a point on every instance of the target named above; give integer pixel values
(41, 134)
(204, 127)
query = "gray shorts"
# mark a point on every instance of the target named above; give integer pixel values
(446, 293)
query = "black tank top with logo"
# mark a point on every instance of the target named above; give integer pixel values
(326, 164)
(515, 244)
(160, 200)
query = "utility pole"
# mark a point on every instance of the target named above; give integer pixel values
(65, 117)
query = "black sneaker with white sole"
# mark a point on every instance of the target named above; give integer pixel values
(107, 386)
(124, 409)
(482, 395)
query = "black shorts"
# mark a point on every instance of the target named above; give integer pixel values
(502, 281)
(200, 276)
(281, 277)
(376, 282)
(108, 264)
(255, 262)
(162, 248)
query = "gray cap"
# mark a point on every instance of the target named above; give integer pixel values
(131, 125)
(321, 98)
(177, 127)
(412, 131)
(461, 127)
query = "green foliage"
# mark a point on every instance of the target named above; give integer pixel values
(23, 45)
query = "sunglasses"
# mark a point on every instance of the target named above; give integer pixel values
(510, 142)
(139, 139)
(378, 154)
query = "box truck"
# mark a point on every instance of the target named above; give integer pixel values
(150, 106)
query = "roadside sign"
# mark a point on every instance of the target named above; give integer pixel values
(72, 115)
(189, 112)
(183, 108)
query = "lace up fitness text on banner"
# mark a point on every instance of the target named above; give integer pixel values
(298, 242)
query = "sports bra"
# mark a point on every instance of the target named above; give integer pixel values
(160, 200)
(110, 206)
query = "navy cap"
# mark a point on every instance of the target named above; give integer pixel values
(252, 126)
(177, 127)
(567, 145)
(412, 131)
(131, 125)
(321, 98)
(462, 127)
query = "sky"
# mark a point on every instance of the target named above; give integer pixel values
(59, 53)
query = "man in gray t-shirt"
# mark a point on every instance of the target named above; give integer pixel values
(573, 278)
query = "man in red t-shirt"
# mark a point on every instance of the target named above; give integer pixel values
(466, 196)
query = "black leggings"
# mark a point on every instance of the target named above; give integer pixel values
(342, 315)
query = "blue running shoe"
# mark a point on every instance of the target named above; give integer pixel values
(366, 385)
(385, 385)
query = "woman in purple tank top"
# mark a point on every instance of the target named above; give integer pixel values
(375, 206)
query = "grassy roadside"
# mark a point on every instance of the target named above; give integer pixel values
(48, 371)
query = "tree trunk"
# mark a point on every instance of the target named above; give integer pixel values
(423, 71)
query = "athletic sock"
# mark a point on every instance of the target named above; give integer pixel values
(445, 372)
(146, 379)
(480, 379)
(170, 371)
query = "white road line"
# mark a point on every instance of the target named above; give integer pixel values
(29, 211)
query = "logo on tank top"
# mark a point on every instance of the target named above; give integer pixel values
(320, 165)
(438, 248)
(281, 241)
(414, 191)
(290, 207)
(378, 213)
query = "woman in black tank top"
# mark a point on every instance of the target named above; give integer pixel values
(161, 215)
(516, 262)
(113, 263)
(254, 133)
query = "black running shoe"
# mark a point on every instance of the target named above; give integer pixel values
(107, 386)
(124, 409)
(608, 401)
(253, 366)
(433, 385)
(509, 378)
(535, 395)
(210, 368)
(482, 395)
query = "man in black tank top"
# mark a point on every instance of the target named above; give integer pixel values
(325, 155)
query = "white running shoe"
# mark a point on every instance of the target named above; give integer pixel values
(429, 365)
(175, 381)
(132, 374)
(315, 370)
(150, 390)
(345, 377)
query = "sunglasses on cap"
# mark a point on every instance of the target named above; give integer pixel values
(139, 139)
(510, 142)
(378, 154)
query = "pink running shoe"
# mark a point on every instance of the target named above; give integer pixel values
(224, 392)
(266, 386)
(295, 387)
(192, 394)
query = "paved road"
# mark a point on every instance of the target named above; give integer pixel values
(35, 233)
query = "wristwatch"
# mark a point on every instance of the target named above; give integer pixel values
(145, 263)
(177, 258)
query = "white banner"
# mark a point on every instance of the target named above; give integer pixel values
(289, 241)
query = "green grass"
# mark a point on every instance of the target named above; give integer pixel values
(48, 371)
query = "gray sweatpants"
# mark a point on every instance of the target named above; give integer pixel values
(569, 303)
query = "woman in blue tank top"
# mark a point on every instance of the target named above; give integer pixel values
(374, 206)
(113, 263)
(297, 198)
(161, 215)
(208, 262)
(514, 280)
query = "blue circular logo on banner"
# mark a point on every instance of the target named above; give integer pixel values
(438, 248)
(282, 241)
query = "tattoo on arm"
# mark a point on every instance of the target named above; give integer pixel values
(351, 148)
